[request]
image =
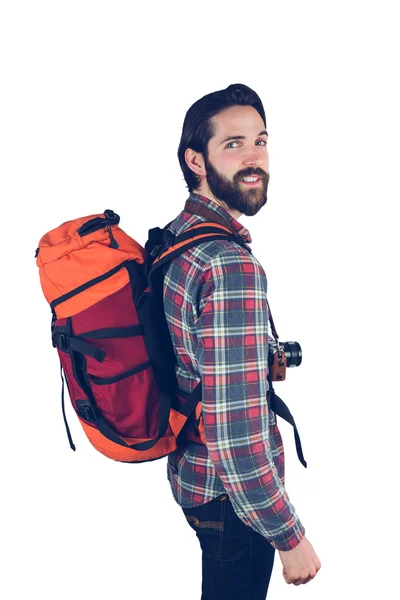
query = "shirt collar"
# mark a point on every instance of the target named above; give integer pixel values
(222, 212)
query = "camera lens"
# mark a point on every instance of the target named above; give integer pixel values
(293, 353)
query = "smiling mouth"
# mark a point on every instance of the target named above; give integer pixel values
(251, 183)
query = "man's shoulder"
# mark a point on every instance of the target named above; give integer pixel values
(207, 251)
(210, 253)
(208, 258)
(212, 261)
(183, 221)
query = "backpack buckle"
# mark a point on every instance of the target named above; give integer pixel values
(60, 340)
(156, 250)
(167, 240)
(85, 411)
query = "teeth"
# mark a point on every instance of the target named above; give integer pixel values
(250, 178)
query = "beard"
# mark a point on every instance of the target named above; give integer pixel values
(233, 193)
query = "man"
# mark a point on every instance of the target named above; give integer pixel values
(231, 490)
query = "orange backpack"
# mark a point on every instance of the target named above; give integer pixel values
(112, 337)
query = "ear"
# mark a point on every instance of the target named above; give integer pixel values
(195, 162)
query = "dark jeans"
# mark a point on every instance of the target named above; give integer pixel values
(236, 560)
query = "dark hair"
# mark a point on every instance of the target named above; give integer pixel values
(198, 129)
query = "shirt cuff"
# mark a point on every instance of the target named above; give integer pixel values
(290, 539)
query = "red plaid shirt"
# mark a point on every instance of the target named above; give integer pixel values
(216, 309)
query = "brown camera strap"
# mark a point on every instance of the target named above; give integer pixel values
(197, 209)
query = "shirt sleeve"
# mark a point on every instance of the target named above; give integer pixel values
(231, 326)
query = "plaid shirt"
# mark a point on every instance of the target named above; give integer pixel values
(215, 306)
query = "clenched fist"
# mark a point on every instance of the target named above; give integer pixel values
(301, 564)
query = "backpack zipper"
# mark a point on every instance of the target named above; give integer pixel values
(111, 218)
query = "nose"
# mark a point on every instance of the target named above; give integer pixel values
(253, 157)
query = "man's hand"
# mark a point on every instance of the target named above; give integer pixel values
(301, 564)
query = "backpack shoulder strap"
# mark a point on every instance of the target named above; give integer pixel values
(173, 246)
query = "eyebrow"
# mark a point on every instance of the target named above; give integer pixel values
(242, 137)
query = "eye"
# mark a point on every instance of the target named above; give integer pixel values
(264, 142)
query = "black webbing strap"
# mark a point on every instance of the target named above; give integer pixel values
(278, 406)
(191, 402)
(84, 348)
(71, 443)
(62, 339)
(113, 332)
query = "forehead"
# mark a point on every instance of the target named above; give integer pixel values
(237, 120)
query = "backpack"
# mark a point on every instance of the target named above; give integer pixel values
(108, 325)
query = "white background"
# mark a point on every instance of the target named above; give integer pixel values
(92, 105)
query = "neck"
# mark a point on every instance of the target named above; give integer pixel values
(207, 194)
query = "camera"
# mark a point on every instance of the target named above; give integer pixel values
(280, 356)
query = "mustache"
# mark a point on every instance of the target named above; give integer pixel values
(253, 172)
